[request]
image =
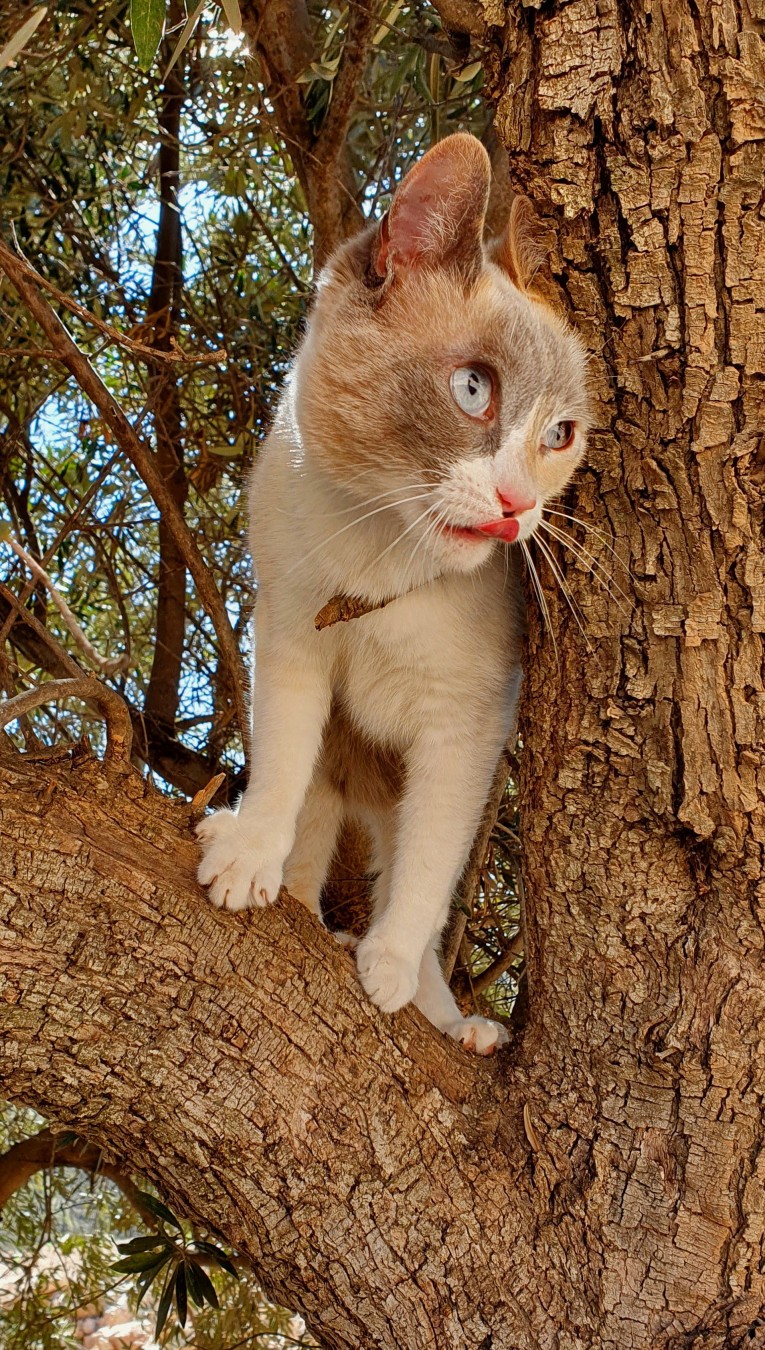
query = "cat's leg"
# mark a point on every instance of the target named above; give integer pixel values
(447, 782)
(435, 999)
(244, 851)
(318, 826)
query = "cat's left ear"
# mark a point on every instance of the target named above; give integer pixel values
(437, 215)
(518, 250)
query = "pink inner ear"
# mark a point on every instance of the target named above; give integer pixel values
(420, 217)
(441, 202)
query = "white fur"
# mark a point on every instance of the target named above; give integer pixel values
(435, 674)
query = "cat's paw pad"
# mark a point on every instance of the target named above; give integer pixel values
(235, 874)
(389, 979)
(478, 1034)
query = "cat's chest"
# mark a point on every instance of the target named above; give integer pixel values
(425, 658)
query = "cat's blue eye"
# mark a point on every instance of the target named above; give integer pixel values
(559, 436)
(471, 389)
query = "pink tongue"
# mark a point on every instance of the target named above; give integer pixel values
(501, 529)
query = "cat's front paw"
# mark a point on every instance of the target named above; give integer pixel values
(388, 978)
(478, 1034)
(236, 871)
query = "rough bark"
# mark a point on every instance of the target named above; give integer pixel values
(639, 133)
(600, 1186)
(364, 1164)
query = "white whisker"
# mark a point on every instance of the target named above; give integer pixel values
(536, 583)
(579, 551)
(566, 515)
(404, 533)
(575, 610)
(324, 542)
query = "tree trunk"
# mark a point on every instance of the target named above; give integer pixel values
(639, 132)
(601, 1184)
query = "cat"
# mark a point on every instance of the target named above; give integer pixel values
(435, 404)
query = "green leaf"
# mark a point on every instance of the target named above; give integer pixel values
(147, 24)
(218, 1256)
(21, 37)
(68, 1137)
(148, 1279)
(143, 1244)
(201, 1286)
(467, 72)
(131, 1265)
(156, 1207)
(165, 1301)
(233, 14)
(181, 1301)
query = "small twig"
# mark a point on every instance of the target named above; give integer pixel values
(471, 876)
(528, 1126)
(101, 663)
(119, 730)
(343, 608)
(26, 282)
(201, 799)
(174, 356)
(480, 983)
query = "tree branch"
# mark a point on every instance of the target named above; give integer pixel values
(164, 305)
(43, 1150)
(26, 283)
(185, 769)
(113, 708)
(365, 1166)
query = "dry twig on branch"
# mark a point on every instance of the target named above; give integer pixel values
(27, 284)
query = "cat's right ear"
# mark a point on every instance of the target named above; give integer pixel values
(437, 215)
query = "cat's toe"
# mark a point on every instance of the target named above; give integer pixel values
(388, 978)
(478, 1034)
(346, 940)
(245, 884)
(233, 871)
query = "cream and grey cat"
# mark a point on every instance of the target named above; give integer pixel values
(435, 404)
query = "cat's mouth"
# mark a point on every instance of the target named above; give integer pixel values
(506, 529)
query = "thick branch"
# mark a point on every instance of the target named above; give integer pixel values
(362, 1163)
(21, 276)
(279, 31)
(43, 1150)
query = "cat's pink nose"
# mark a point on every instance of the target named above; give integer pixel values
(514, 505)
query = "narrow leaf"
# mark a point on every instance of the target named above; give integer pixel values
(149, 1277)
(156, 1207)
(233, 14)
(165, 1301)
(147, 24)
(21, 37)
(196, 1293)
(69, 1137)
(141, 1261)
(219, 1256)
(181, 1301)
(142, 1244)
(205, 1285)
(467, 72)
(387, 23)
(185, 38)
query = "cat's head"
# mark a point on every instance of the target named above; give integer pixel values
(432, 372)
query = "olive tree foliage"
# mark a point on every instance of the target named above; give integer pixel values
(172, 201)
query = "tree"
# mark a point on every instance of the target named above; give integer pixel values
(601, 1184)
